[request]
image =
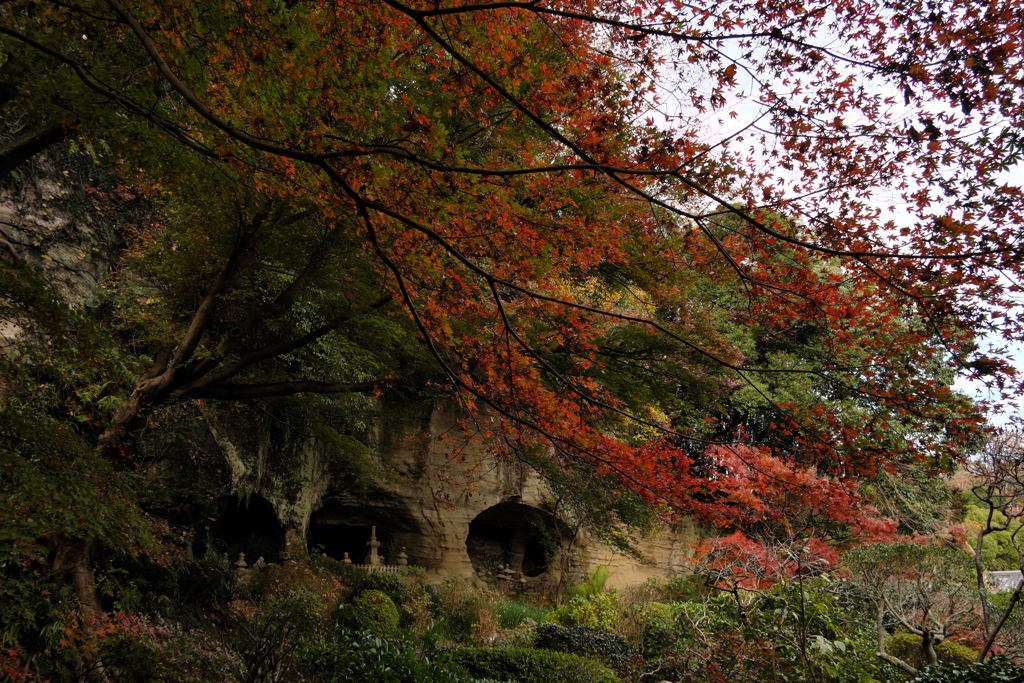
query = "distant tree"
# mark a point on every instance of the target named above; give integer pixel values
(925, 589)
(998, 486)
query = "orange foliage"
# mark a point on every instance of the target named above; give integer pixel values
(501, 165)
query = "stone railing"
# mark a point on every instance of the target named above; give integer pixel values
(378, 567)
(374, 564)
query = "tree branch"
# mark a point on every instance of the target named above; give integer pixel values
(268, 352)
(1014, 599)
(250, 391)
(895, 661)
(201, 318)
(696, 186)
(93, 84)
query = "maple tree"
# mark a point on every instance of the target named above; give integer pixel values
(553, 193)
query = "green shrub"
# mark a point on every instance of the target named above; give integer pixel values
(372, 611)
(594, 584)
(358, 657)
(685, 588)
(407, 588)
(286, 609)
(597, 611)
(610, 648)
(907, 646)
(456, 606)
(590, 606)
(800, 630)
(997, 550)
(951, 652)
(397, 585)
(525, 665)
(659, 624)
(994, 670)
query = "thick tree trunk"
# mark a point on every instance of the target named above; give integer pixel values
(129, 416)
(21, 149)
(928, 647)
(73, 562)
(881, 653)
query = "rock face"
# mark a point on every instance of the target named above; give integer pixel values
(464, 514)
(455, 509)
(65, 215)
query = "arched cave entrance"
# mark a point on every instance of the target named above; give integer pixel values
(513, 535)
(249, 526)
(336, 529)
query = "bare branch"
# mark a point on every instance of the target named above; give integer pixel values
(201, 318)
(899, 663)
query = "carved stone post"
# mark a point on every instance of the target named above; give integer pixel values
(373, 543)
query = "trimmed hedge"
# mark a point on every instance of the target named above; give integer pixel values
(612, 649)
(993, 670)
(363, 657)
(526, 665)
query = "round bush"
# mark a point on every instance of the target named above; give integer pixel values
(597, 611)
(395, 584)
(372, 611)
(526, 665)
(951, 652)
(907, 646)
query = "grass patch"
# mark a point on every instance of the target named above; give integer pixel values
(512, 613)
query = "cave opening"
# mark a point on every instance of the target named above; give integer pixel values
(335, 540)
(249, 525)
(513, 535)
(338, 529)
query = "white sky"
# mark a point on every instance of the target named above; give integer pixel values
(720, 124)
